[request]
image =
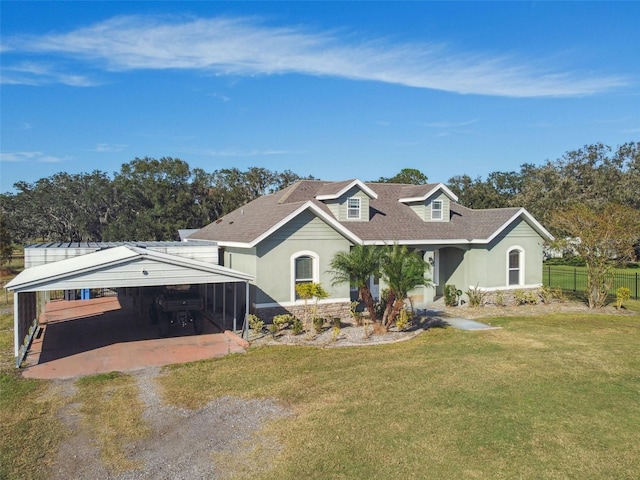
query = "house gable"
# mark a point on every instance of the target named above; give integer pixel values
(347, 201)
(308, 233)
(525, 216)
(430, 203)
(351, 206)
(436, 208)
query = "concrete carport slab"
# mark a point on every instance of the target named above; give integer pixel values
(86, 337)
(120, 268)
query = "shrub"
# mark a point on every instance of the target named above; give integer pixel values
(255, 324)
(558, 294)
(335, 333)
(318, 323)
(296, 326)
(525, 298)
(273, 329)
(404, 320)
(282, 321)
(545, 294)
(476, 296)
(498, 299)
(367, 330)
(623, 294)
(451, 294)
(569, 260)
(355, 313)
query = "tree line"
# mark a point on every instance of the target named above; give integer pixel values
(595, 176)
(150, 199)
(147, 200)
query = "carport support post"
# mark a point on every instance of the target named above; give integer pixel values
(16, 333)
(215, 304)
(235, 306)
(246, 311)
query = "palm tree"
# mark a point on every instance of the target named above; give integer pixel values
(356, 268)
(402, 271)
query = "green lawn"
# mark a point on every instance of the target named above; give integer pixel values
(29, 426)
(553, 397)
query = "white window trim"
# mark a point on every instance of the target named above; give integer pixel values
(521, 264)
(316, 272)
(358, 208)
(440, 210)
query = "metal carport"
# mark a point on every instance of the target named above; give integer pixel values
(117, 267)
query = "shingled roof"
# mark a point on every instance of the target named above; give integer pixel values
(390, 219)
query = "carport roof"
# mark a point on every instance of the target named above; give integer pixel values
(123, 266)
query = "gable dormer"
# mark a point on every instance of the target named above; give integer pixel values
(432, 203)
(348, 201)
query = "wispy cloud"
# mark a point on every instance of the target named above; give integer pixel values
(446, 124)
(247, 153)
(23, 157)
(33, 73)
(222, 98)
(107, 147)
(238, 46)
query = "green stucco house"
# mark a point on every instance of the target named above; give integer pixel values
(292, 235)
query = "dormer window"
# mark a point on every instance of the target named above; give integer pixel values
(436, 210)
(353, 208)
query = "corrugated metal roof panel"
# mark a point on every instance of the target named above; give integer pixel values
(91, 268)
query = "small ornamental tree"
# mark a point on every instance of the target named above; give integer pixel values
(606, 238)
(308, 291)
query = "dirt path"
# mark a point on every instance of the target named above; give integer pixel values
(184, 443)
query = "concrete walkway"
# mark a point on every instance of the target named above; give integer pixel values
(436, 310)
(85, 337)
(465, 324)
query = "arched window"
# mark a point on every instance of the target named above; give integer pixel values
(304, 269)
(515, 266)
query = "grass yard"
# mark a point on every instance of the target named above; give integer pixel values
(554, 397)
(551, 397)
(29, 426)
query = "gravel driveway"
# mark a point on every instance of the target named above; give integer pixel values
(184, 443)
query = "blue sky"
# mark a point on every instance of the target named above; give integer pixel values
(336, 90)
